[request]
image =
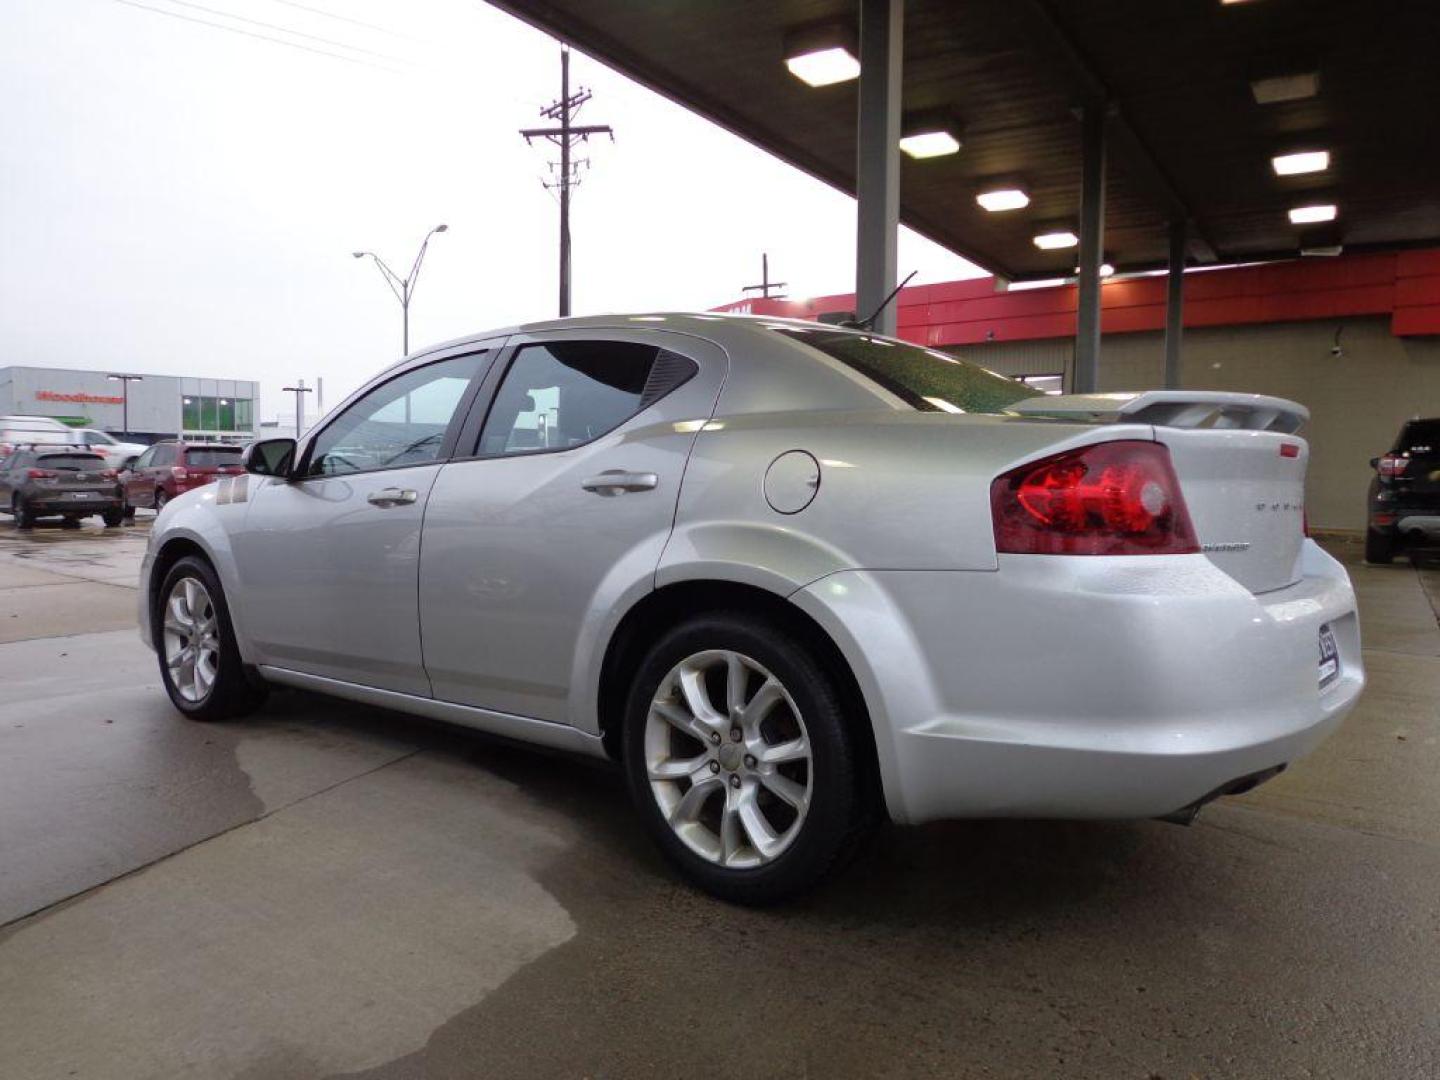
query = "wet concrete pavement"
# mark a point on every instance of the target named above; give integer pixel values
(325, 890)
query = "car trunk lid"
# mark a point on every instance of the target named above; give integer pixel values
(1240, 466)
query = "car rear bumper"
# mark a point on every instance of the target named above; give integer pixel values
(1086, 687)
(98, 504)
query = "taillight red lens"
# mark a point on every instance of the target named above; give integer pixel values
(41, 474)
(179, 473)
(1391, 465)
(1113, 498)
(109, 474)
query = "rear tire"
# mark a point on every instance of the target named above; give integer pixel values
(128, 513)
(113, 518)
(754, 817)
(1379, 547)
(195, 641)
(24, 516)
(70, 523)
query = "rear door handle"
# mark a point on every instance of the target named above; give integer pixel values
(615, 481)
(388, 497)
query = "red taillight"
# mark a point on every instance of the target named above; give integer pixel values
(1114, 498)
(1391, 465)
(109, 474)
(1289, 449)
(41, 474)
(178, 473)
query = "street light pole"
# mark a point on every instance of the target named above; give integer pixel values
(403, 288)
(299, 392)
(125, 381)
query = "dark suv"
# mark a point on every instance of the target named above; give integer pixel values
(172, 468)
(59, 481)
(1405, 493)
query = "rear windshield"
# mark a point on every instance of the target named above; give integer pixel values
(77, 462)
(204, 456)
(924, 379)
(1419, 438)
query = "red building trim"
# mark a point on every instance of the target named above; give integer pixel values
(1403, 285)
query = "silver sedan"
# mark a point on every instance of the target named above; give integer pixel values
(794, 578)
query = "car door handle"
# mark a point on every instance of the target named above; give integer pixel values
(388, 497)
(614, 481)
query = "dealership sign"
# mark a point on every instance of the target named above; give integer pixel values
(78, 399)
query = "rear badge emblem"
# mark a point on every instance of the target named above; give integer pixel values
(1240, 546)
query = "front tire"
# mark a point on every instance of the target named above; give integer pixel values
(739, 759)
(195, 641)
(1379, 547)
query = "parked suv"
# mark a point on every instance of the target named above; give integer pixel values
(1405, 493)
(58, 480)
(172, 468)
(17, 430)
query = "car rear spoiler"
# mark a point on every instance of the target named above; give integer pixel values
(1174, 408)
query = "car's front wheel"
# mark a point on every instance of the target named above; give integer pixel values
(199, 661)
(738, 756)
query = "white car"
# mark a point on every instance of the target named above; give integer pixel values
(791, 577)
(115, 452)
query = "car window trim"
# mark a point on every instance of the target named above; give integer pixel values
(475, 424)
(452, 430)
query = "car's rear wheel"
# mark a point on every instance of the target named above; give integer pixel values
(739, 759)
(128, 513)
(113, 518)
(1379, 547)
(70, 523)
(199, 661)
(20, 510)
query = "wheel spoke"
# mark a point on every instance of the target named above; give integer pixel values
(779, 753)
(180, 612)
(192, 606)
(737, 679)
(678, 717)
(770, 694)
(176, 661)
(697, 697)
(761, 836)
(785, 788)
(676, 768)
(694, 800)
(731, 831)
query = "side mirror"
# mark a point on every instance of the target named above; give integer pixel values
(1374, 463)
(269, 457)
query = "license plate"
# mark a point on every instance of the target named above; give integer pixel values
(80, 495)
(1329, 657)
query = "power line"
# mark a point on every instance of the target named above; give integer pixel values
(566, 136)
(262, 37)
(286, 30)
(347, 19)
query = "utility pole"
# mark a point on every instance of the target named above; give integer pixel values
(125, 381)
(565, 136)
(299, 391)
(765, 283)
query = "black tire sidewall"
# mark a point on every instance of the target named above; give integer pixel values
(233, 693)
(834, 813)
(1379, 548)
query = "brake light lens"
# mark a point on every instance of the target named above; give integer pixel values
(1391, 465)
(1114, 498)
(178, 473)
(41, 474)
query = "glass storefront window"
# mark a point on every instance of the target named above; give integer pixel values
(199, 413)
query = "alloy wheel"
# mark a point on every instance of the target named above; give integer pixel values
(728, 759)
(191, 636)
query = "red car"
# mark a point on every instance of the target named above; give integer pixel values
(172, 468)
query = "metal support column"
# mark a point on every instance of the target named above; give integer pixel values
(1092, 247)
(1175, 305)
(877, 145)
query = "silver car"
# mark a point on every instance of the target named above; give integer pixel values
(794, 578)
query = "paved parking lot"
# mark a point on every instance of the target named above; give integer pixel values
(326, 890)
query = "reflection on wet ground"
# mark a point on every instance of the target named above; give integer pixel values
(327, 890)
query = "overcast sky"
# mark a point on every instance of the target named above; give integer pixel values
(181, 198)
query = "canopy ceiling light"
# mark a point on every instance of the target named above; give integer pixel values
(1056, 240)
(999, 199)
(822, 54)
(930, 134)
(1277, 88)
(1306, 161)
(1309, 215)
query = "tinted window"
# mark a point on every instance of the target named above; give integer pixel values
(146, 458)
(1419, 438)
(78, 462)
(209, 456)
(400, 422)
(924, 379)
(164, 455)
(565, 394)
